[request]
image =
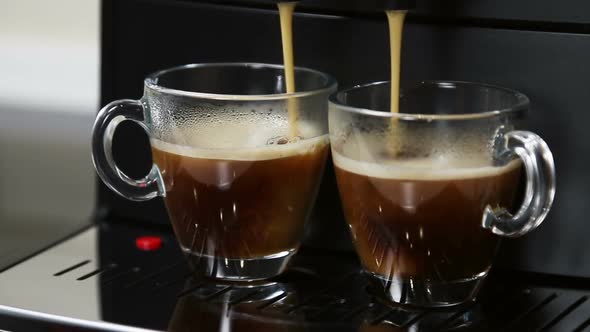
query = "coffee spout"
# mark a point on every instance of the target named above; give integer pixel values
(364, 5)
(392, 4)
(357, 5)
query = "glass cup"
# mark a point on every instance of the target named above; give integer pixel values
(236, 159)
(427, 191)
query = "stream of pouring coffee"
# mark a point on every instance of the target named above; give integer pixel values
(286, 16)
(395, 18)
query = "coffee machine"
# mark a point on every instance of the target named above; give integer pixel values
(122, 271)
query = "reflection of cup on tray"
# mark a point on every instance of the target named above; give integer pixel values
(235, 310)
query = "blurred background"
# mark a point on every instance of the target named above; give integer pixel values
(49, 64)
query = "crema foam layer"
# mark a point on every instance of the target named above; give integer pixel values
(431, 169)
(241, 141)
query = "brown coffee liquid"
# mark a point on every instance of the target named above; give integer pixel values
(240, 203)
(421, 225)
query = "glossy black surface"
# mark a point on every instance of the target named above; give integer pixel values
(321, 291)
(549, 67)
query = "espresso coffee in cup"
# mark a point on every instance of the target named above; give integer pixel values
(238, 174)
(427, 190)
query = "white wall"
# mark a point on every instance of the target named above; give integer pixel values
(49, 63)
(49, 54)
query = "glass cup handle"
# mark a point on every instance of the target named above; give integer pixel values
(540, 185)
(105, 124)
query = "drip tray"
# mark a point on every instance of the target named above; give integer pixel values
(100, 280)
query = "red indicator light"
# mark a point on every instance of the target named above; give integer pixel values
(148, 243)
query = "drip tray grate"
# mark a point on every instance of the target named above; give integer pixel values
(98, 280)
